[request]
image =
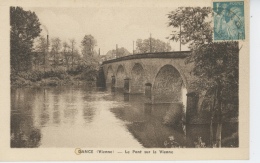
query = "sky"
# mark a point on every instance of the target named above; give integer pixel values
(110, 25)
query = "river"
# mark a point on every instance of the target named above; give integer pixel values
(87, 116)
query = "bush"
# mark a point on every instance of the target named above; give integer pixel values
(59, 73)
(89, 75)
(21, 82)
(76, 71)
(53, 81)
(84, 72)
(31, 75)
(38, 75)
(53, 77)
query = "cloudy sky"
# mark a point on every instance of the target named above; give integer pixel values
(110, 25)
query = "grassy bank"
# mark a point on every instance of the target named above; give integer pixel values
(54, 77)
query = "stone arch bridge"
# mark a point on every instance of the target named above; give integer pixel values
(162, 77)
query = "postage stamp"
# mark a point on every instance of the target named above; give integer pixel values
(229, 20)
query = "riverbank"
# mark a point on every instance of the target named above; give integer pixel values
(53, 77)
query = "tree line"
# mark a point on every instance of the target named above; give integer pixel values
(30, 50)
(38, 60)
(151, 45)
(64, 53)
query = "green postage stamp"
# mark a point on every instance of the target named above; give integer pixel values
(229, 22)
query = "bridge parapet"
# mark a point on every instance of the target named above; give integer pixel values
(177, 54)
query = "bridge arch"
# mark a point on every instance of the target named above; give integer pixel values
(137, 78)
(169, 86)
(120, 76)
(109, 75)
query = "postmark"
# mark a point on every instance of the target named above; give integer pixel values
(229, 21)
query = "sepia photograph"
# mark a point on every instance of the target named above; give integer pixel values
(105, 78)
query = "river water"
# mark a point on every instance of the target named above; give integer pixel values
(87, 116)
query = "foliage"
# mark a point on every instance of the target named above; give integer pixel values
(25, 27)
(68, 62)
(89, 74)
(55, 49)
(216, 66)
(143, 46)
(88, 44)
(52, 81)
(61, 54)
(58, 73)
(200, 143)
(38, 75)
(66, 53)
(215, 63)
(74, 52)
(41, 49)
(171, 143)
(220, 76)
(120, 52)
(195, 25)
(54, 77)
(87, 68)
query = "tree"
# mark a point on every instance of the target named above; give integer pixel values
(25, 27)
(56, 46)
(66, 54)
(143, 46)
(41, 49)
(191, 25)
(215, 63)
(216, 66)
(120, 52)
(72, 42)
(76, 56)
(88, 44)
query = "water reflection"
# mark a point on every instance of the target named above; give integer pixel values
(23, 132)
(145, 122)
(88, 114)
(82, 116)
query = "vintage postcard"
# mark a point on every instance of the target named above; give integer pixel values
(124, 80)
